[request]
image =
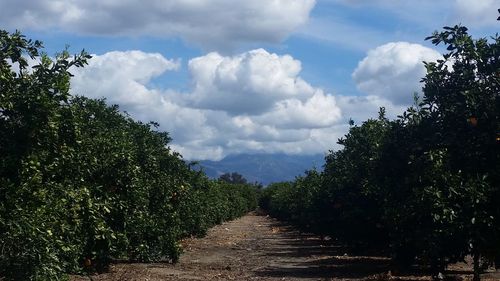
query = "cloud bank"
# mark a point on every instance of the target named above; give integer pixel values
(213, 25)
(254, 101)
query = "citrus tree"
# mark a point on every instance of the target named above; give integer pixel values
(426, 185)
(82, 183)
(462, 98)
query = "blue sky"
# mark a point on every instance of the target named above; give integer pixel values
(263, 76)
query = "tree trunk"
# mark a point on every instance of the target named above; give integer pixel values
(477, 266)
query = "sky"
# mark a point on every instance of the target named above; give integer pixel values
(236, 76)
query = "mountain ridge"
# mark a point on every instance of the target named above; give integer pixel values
(263, 168)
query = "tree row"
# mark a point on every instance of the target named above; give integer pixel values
(83, 184)
(424, 188)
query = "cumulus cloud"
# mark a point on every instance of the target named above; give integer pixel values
(251, 102)
(254, 101)
(215, 24)
(318, 111)
(122, 78)
(123, 73)
(249, 83)
(276, 110)
(393, 71)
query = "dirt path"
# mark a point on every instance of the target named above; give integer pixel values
(257, 247)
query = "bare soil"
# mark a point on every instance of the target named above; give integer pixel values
(257, 247)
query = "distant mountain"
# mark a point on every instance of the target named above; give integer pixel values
(263, 168)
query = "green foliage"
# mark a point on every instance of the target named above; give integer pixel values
(462, 103)
(288, 200)
(424, 187)
(82, 183)
(351, 181)
(233, 178)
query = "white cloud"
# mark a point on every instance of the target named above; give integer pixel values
(249, 83)
(122, 78)
(362, 108)
(281, 111)
(125, 73)
(284, 113)
(319, 111)
(214, 24)
(393, 71)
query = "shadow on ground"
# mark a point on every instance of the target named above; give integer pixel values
(301, 255)
(305, 256)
